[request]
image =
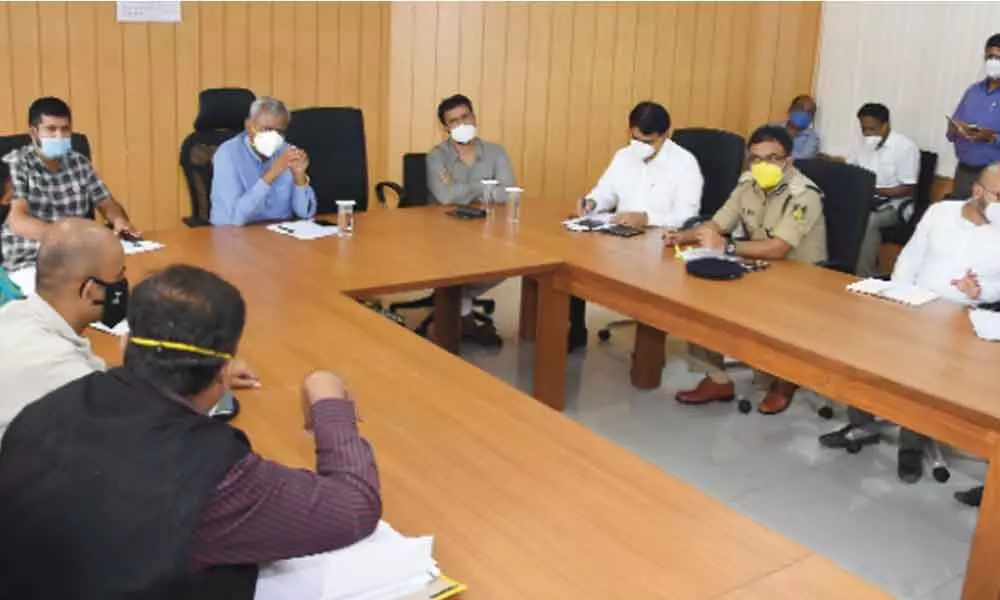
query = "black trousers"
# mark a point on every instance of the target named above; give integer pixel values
(577, 315)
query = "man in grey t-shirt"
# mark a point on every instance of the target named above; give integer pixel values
(456, 169)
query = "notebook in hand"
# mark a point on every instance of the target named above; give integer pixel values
(902, 293)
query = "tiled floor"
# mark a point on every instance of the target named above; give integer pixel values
(911, 540)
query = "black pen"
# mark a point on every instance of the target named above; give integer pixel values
(285, 229)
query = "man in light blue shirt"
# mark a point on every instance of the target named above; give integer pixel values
(257, 176)
(805, 139)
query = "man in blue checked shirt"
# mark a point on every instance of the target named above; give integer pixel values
(974, 126)
(259, 177)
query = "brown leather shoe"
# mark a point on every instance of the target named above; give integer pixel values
(708, 391)
(778, 398)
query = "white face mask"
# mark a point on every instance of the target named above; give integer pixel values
(464, 133)
(872, 140)
(992, 213)
(641, 150)
(267, 142)
(993, 68)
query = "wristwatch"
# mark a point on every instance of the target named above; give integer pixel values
(730, 248)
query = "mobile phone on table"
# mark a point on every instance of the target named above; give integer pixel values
(226, 408)
(324, 223)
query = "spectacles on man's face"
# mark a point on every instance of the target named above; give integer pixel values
(769, 158)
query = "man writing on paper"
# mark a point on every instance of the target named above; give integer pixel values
(651, 182)
(80, 278)
(895, 160)
(51, 181)
(257, 176)
(781, 212)
(456, 170)
(955, 253)
(974, 125)
(119, 486)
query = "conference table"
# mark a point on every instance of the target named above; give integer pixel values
(524, 502)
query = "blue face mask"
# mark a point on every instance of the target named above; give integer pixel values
(55, 147)
(800, 119)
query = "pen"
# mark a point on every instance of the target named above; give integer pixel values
(284, 229)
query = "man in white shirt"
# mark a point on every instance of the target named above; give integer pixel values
(955, 253)
(652, 182)
(80, 278)
(895, 160)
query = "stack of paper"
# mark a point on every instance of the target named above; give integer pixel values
(590, 222)
(304, 230)
(902, 293)
(138, 246)
(385, 566)
(986, 323)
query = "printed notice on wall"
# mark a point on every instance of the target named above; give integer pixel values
(149, 11)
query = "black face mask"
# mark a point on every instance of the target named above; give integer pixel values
(115, 303)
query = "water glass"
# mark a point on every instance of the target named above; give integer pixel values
(514, 204)
(489, 194)
(345, 217)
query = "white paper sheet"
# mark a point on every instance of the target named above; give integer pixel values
(580, 223)
(384, 566)
(139, 246)
(902, 293)
(986, 323)
(304, 230)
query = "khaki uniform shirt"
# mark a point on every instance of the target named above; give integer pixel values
(792, 212)
(39, 352)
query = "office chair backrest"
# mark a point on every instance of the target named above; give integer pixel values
(847, 194)
(720, 156)
(334, 139)
(221, 115)
(415, 192)
(925, 181)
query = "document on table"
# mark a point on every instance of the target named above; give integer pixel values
(131, 247)
(986, 323)
(384, 566)
(590, 222)
(304, 230)
(901, 293)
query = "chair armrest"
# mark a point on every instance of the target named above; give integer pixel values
(834, 265)
(380, 188)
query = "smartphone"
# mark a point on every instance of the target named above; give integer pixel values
(324, 223)
(226, 408)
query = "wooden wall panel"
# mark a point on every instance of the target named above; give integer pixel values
(134, 87)
(553, 82)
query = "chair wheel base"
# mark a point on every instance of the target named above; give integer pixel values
(744, 405)
(604, 335)
(941, 474)
(826, 412)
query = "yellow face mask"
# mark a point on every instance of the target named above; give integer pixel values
(767, 175)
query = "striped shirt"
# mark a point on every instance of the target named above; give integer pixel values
(263, 511)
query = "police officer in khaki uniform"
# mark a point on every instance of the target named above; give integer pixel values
(781, 213)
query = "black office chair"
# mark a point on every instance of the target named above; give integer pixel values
(720, 156)
(910, 211)
(334, 139)
(221, 115)
(414, 192)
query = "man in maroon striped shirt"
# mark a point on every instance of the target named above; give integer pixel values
(117, 485)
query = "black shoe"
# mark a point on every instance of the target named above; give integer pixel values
(910, 465)
(971, 496)
(851, 443)
(482, 333)
(577, 339)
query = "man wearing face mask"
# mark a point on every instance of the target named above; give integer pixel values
(456, 170)
(118, 485)
(781, 213)
(974, 125)
(51, 181)
(652, 182)
(257, 176)
(895, 160)
(799, 124)
(955, 253)
(80, 279)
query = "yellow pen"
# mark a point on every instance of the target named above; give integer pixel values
(678, 255)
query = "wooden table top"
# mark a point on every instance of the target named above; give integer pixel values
(523, 501)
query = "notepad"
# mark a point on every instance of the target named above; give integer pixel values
(304, 230)
(902, 293)
(986, 324)
(384, 566)
(131, 247)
